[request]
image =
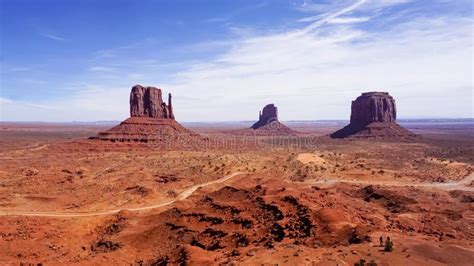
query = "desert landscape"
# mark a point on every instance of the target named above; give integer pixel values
(249, 132)
(232, 196)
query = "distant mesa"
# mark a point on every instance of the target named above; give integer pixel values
(373, 115)
(151, 120)
(268, 123)
(268, 115)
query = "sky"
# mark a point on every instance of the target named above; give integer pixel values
(224, 60)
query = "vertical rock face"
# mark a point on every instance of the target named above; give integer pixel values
(151, 120)
(148, 102)
(267, 115)
(373, 115)
(170, 107)
(373, 107)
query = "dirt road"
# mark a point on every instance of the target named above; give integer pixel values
(183, 195)
(463, 184)
(454, 185)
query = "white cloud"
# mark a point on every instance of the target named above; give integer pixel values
(53, 37)
(333, 15)
(101, 69)
(317, 6)
(87, 103)
(5, 101)
(348, 20)
(315, 75)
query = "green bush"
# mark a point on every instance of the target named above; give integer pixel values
(361, 262)
(388, 245)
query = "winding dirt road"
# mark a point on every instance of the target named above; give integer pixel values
(181, 196)
(463, 184)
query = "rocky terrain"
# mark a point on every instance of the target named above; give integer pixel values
(303, 200)
(373, 115)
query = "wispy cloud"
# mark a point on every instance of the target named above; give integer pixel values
(217, 19)
(238, 11)
(19, 69)
(333, 15)
(322, 70)
(348, 20)
(53, 37)
(102, 69)
(5, 100)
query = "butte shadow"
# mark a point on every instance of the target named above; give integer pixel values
(151, 120)
(373, 115)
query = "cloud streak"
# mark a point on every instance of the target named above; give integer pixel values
(348, 20)
(330, 16)
(102, 69)
(53, 37)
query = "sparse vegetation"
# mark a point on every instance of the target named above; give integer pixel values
(362, 262)
(388, 245)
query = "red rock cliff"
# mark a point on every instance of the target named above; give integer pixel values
(373, 107)
(267, 115)
(148, 102)
(373, 115)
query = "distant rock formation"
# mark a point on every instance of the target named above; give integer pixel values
(373, 115)
(151, 120)
(148, 102)
(373, 107)
(268, 115)
(266, 125)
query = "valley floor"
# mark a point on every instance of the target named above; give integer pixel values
(302, 200)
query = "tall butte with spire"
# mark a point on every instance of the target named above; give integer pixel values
(151, 120)
(148, 102)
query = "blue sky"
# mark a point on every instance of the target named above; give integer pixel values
(224, 60)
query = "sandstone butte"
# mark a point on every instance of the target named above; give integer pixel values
(151, 120)
(373, 115)
(268, 122)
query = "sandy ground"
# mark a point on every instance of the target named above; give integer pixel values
(304, 200)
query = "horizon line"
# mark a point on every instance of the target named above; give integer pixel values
(233, 121)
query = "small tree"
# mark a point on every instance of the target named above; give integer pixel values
(388, 245)
(361, 262)
(372, 263)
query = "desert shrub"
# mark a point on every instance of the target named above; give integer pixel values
(361, 262)
(388, 245)
(372, 263)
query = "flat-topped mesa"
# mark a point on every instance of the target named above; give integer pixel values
(373, 107)
(266, 116)
(148, 102)
(373, 115)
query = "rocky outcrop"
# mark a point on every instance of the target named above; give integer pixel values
(373, 107)
(373, 115)
(151, 120)
(266, 125)
(268, 115)
(148, 102)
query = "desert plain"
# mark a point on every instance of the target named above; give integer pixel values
(234, 199)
